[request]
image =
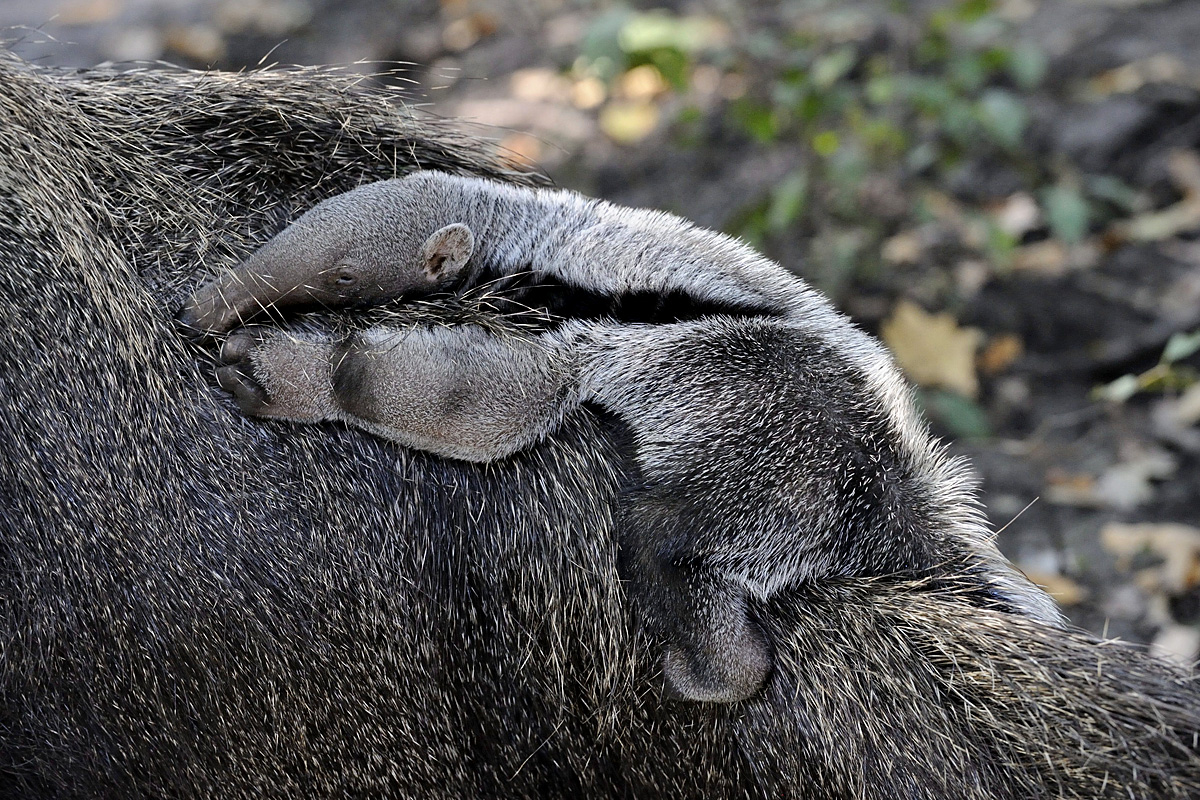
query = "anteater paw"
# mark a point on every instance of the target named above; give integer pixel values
(274, 373)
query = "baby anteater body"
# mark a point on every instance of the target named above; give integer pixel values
(774, 444)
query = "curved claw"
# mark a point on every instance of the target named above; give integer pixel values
(237, 347)
(250, 396)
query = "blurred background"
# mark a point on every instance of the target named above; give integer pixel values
(1007, 192)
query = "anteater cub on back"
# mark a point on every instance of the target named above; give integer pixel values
(775, 443)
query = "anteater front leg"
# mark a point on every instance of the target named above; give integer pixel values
(462, 392)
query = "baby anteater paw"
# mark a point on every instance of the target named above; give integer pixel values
(274, 373)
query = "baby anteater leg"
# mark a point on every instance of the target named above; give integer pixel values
(715, 652)
(461, 392)
(713, 649)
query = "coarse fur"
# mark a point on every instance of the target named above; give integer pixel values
(774, 442)
(194, 604)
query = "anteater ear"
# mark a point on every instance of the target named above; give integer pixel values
(447, 251)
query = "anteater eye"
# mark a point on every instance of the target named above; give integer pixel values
(345, 277)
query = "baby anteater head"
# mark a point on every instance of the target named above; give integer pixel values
(376, 243)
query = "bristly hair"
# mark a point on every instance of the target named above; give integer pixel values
(495, 304)
(194, 604)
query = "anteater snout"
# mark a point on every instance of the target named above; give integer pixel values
(210, 311)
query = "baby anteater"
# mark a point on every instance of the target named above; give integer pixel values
(774, 443)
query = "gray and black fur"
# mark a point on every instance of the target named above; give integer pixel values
(774, 444)
(194, 604)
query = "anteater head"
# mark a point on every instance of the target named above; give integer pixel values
(380, 242)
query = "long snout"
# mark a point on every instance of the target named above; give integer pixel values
(232, 300)
(211, 310)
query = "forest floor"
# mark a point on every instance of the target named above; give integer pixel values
(1027, 240)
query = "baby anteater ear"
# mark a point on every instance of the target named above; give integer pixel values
(447, 251)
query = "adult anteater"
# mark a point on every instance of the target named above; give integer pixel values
(197, 604)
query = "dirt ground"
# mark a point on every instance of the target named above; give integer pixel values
(1063, 397)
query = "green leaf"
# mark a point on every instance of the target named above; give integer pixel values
(929, 95)
(1067, 212)
(789, 93)
(995, 59)
(674, 65)
(1001, 245)
(751, 227)
(828, 70)
(1027, 65)
(659, 30)
(968, 71)
(885, 138)
(919, 159)
(1119, 390)
(1181, 345)
(1115, 191)
(787, 202)
(958, 122)
(881, 89)
(826, 143)
(600, 39)
(1003, 116)
(972, 10)
(759, 122)
(961, 416)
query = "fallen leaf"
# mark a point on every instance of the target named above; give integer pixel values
(268, 17)
(1065, 591)
(942, 207)
(537, 84)
(903, 248)
(1184, 169)
(202, 43)
(588, 93)
(87, 12)
(463, 32)
(1178, 546)
(521, 149)
(970, 276)
(1178, 643)
(932, 349)
(1175, 419)
(641, 83)
(135, 43)
(1173, 220)
(628, 122)
(1124, 487)
(1018, 214)
(1069, 488)
(1048, 257)
(1187, 408)
(1158, 68)
(1000, 353)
